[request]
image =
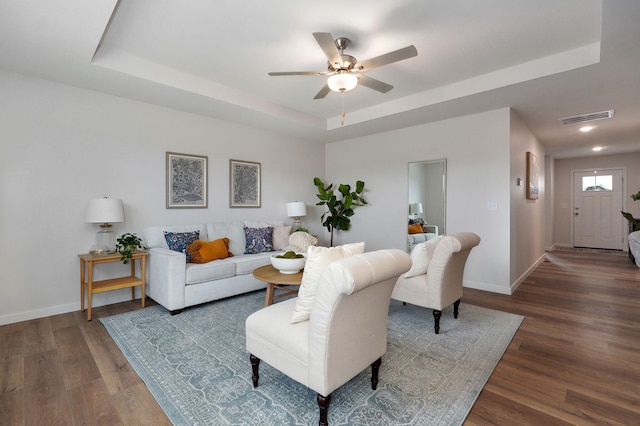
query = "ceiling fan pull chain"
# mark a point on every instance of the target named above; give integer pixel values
(343, 113)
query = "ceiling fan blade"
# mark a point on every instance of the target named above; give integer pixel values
(323, 92)
(374, 84)
(387, 58)
(275, 74)
(328, 45)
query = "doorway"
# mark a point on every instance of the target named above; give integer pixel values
(597, 203)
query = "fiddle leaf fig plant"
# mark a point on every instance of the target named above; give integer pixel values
(340, 206)
(127, 244)
(633, 221)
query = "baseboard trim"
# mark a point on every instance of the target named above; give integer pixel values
(528, 272)
(99, 299)
(486, 287)
(39, 313)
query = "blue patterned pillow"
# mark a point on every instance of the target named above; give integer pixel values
(258, 240)
(179, 241)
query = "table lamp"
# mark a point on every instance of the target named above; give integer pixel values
(415, 209)
(104, 211)
(296, 210)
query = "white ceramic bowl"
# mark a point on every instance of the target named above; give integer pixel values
(288, 266)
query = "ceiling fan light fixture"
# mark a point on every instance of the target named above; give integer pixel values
(342, 82)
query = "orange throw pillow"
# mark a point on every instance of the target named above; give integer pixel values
(415, 228)
(203, 252)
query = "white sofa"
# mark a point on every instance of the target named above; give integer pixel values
(176, 284)
(415, 239)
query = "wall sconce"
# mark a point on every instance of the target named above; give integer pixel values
(104, 211)
(296, 210)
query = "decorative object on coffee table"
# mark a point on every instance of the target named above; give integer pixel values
(289, 262)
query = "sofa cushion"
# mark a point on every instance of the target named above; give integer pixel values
(232, 230)
(421, 256)
(300, 241)
(258, 240)
(263, 224)
(206, 251)
(179, 241)
(202, 272)
(154, 235)
(247, 263)
(281, 237)
(318, 258)
(415, 228)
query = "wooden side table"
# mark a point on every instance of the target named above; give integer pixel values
(276, 280)
(87, 261)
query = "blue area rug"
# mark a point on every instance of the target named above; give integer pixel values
(196, 366)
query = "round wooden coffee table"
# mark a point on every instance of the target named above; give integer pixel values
(276, 280)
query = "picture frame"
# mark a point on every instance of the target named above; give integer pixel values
(244, 184)
(533, 179)
(187, 181)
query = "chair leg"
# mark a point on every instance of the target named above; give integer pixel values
(323, 404)
(436, 316)
(455, 308)
(255, 364)
(375, 369)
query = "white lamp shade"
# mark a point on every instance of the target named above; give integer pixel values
(342, 82)
(415, 208)
(296, 209)
(104, 210)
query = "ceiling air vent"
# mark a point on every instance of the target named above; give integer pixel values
(602, 115)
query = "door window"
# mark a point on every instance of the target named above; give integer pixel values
(597, 183)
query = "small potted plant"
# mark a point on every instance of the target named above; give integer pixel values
(127, 244)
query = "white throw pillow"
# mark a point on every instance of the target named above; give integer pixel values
(281, 237)
(318, 258)
(421, 256)
(301, 241)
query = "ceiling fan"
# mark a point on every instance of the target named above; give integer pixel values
(344, 71)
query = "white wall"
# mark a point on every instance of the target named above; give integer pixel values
(527, 216)
(61, 146)
(564, 181)
(478, 170)
(549, 199)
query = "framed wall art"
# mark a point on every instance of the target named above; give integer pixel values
(533, 179)
(244, 184)
(186, 181)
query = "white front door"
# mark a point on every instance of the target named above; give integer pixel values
(597, 203)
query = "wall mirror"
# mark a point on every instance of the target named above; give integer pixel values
(427, 200)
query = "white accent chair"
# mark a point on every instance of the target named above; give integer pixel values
(442, 284)
(346, 332)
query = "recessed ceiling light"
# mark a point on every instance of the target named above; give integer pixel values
(597, 148)
(586, 129)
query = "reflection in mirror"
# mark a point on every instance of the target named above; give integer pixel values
(426, 209)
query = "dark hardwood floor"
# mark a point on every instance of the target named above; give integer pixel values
(574, 361)
(576, 358)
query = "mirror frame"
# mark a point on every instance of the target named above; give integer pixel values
(412, 198)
